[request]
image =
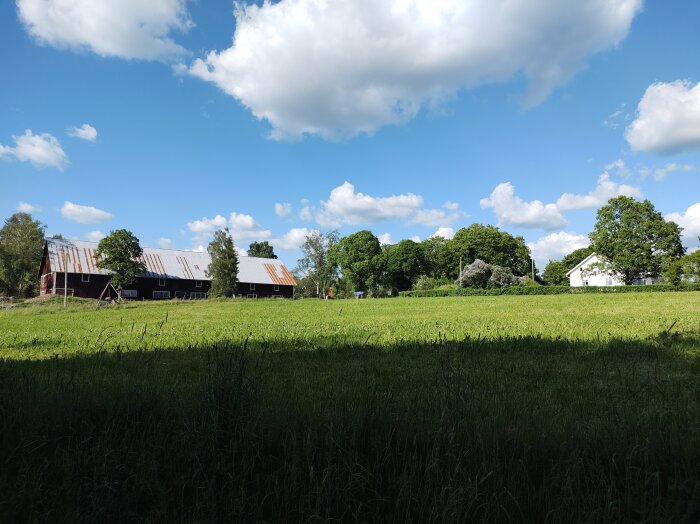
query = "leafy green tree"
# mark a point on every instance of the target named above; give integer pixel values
(439, 261)
(21, 247)
(117, 252)
(555, 271)
(316, 264)
(223, 268)
(261, 250)
(359, 257)
(404, 263)
(634, 239)
(686, 268)
(491, 245)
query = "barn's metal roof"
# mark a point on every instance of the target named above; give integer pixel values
(79, 256)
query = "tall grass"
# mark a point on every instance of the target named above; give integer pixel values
(280, 426)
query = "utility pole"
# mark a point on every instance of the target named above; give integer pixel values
(460, 271)
(65, 279)
(533, 268)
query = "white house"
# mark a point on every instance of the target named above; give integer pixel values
(586, 273)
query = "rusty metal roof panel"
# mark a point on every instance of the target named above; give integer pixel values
(79, 255)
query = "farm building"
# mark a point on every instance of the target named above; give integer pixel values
(586, 273)
(169, 274)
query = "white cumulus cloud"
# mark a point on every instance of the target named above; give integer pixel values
(165, 243)
(444, 232)
(668, 119)
(94, 236)
(604, 191)
(347, 206)
(305, 214)
(283, 210)
(42, 150)
(662, 172)
(385, 239)
(690, 222)
(556, 246)
(240, 225)
(86, 132)
(513, 210)
(135, 29)
(26, 207)
(84, 214)
(339, 68)
(291, 240)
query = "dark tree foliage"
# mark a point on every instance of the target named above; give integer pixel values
(117, 252)
(21, 247)
(634, 238)
(439, 262)
(261, 249)
(685, 269)
(359, 258)
(223, 268)
(404, 263)
(555, 271)
(491, 245)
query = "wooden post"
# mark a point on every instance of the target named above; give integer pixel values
(65, 280)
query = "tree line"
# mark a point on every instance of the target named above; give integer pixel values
(632, 238)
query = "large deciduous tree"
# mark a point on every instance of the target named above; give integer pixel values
(223, 268)
(118, 252)
(634, 239)
(359, 257)
(21, 246)
(491, 245)
(316, 266)
(261, 249)
(404, 263)
(439, 261)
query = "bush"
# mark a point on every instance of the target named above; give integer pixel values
(548, 290)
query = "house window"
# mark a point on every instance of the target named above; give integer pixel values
(197, 283)
(277, 287)
(585, 282)
(84, 278)
(608, 281)
(161, 294)
(161, 282)
(252, 287)
(198, 295)
(128, 293)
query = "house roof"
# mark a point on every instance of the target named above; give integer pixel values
(582, 263)
(79, 256)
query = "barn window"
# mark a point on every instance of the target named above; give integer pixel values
(161, 282)
(277, 287)
(198, 283)
(161, 294)
(252, 295)
(84, 278)
(252, 287)
(198, 295)
(128, 293)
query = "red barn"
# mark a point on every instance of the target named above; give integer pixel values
(169, 274)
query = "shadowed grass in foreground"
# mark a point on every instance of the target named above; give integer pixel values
(519, 428)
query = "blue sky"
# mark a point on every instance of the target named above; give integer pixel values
(406, 117)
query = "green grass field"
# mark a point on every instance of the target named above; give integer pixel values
(496, 409)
